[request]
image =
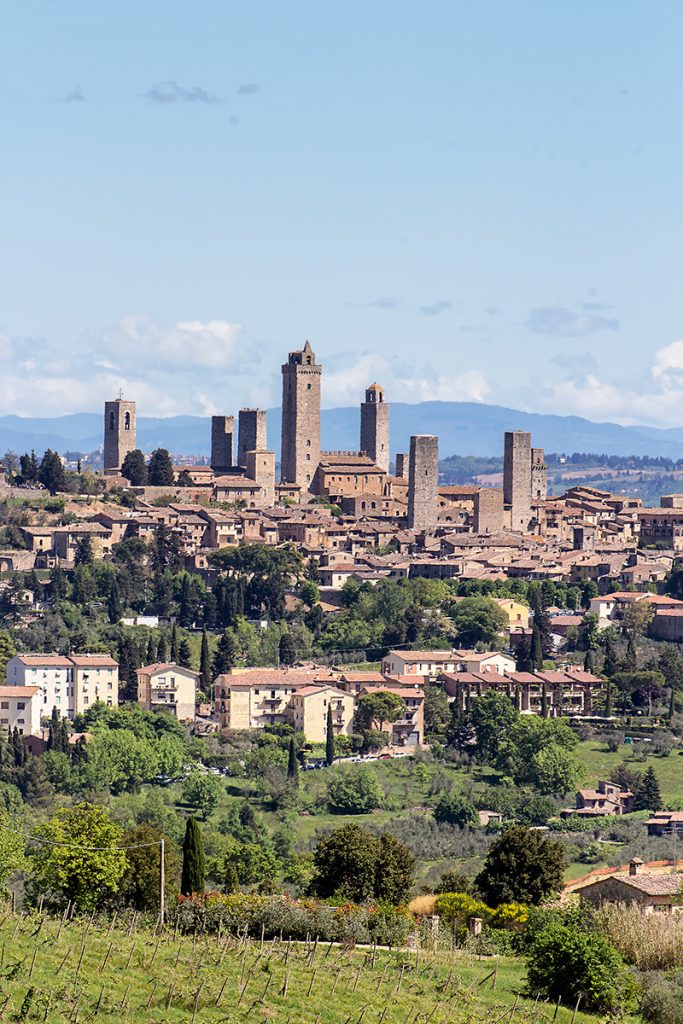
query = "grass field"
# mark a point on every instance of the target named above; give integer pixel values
(600, 762)
(84, 971)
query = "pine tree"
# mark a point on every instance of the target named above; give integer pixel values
(192, 879)
(205, 663)
(648, 796)
(329, 737)
(225, 657)
(292, 763)
(174, 644)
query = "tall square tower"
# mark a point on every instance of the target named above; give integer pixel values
(251, 433)
(222, 442)
(517, 478)
(423, 482)
(300, 417)
(119, 433)
(374, 427)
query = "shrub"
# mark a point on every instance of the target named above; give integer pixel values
(353, 790)
(279, 915)
(567, 961)
(456, 810)
(459, 907)
(662, 998)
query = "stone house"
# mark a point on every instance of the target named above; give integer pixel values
(166, 686)
(653, 893)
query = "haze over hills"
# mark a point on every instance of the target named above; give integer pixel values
(464, 428)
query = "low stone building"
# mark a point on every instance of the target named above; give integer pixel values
(651, 892)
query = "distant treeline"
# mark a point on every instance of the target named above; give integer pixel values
(464, 469)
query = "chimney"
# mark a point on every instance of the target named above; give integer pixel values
(635, 866)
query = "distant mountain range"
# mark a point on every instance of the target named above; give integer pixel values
(464, 428)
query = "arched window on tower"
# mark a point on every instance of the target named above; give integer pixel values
(126, 421)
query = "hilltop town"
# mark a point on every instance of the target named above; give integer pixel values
(278, 653)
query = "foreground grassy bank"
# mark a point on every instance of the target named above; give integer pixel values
(88, 971)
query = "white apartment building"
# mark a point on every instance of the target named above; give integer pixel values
(20, 708)
(70, 683)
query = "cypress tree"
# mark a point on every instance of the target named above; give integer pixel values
(205, 662)
(589, 662)
(608, 698)
(672, 703)
(185, 653)
(192, 879)
(631, 659)
(174, 645)
(544, 701)
(610, 663)
(162, 650)
(151, 650)
(292, 762)
(537, 648)
(329, 737)
(18, 748)
(114, 604)
(232, 882)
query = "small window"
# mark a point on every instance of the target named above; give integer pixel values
(308, 386)
(126, 421)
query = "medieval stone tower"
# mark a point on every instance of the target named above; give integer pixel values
(222, 442)
(374, 427)
(539, 476)
(300, 417)
(517, 478)
(251, 433)
(423, 482)
(119, 433)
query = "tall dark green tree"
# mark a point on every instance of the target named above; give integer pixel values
(151, 650)
(537, 648)
(18, 748)
(205, 663)
(134, 468)
(524, 655)
(162, 650)
(192, 879)
(521, 865)
(160, 469)
(175, 653)
(292, 762)
(610, 664)
(544, 700)
(329, 737)
(648, 796)
(287, 649)
(185, 653)
(608, 697)
(225, 656)
(114, 603)
(85, 553)
(589, 661)
(51, 473)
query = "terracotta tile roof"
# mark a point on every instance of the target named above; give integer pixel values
(19, 691)
(93, 660)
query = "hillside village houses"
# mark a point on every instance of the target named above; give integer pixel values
(365, 517)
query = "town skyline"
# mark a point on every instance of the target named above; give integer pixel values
(445, 200)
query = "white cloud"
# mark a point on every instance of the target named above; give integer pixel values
(191, 343)
(657, 403)
(469, 386)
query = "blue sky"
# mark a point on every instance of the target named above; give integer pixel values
(464, 200)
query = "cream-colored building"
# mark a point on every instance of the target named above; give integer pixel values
(20, 708)
(255, 697)
(308, 710)
(69, 683)
(419, 663)
(166, 686)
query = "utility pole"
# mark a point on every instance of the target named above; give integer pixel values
(162, 880)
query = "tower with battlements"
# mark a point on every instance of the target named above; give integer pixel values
(251, 433)
(119, 433)
(423, 482)
(374, 427)
(301, 377)
(222, 443)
